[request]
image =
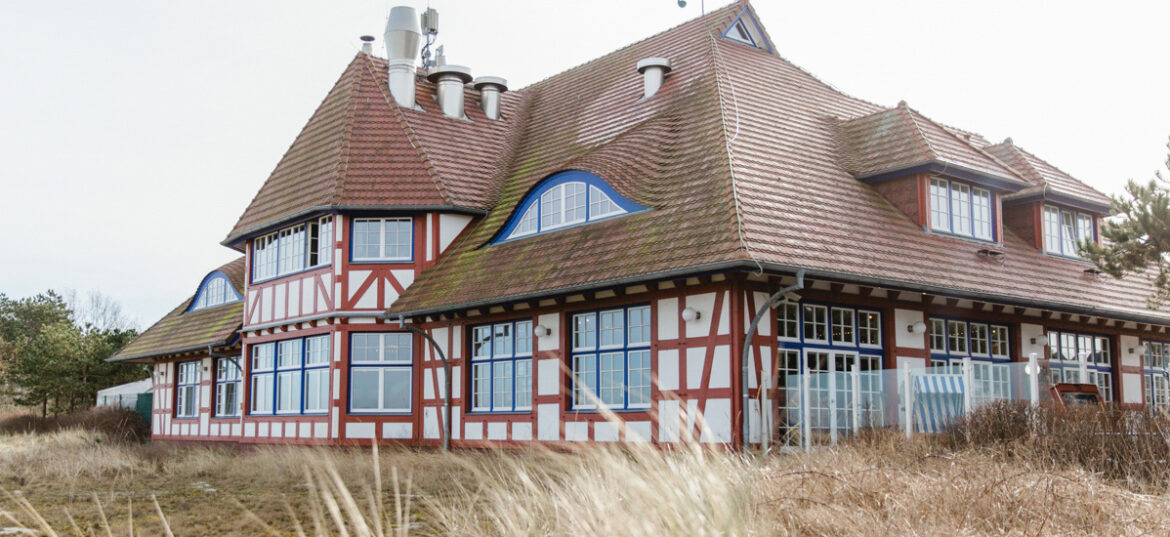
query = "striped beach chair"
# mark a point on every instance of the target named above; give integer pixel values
(938, 400)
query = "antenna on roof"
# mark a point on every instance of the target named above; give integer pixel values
(429, 21)
(702, 5)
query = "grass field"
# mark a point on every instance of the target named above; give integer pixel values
(84, 482)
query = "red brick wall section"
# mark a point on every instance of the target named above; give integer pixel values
(1021, 220)
(903, 194)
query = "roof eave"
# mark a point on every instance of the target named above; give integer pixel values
(154, 355)
(950, 169)
(234, 240)
(1060, 198)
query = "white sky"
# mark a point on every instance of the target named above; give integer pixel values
(134, 133)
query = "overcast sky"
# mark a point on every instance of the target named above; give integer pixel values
(134, 133)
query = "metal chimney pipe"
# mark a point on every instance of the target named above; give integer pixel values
(490, 88)
(450, 80)
(368, 44)
(653, 73)
(402, 43)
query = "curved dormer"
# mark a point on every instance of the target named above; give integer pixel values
(216, 289)
(562, 200)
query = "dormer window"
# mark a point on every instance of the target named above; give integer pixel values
(293, 249)
(215, 290)
(961, 209)
(746, 30)
(1065, 230)
(565, 199)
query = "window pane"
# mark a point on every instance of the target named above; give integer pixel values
(639, 326)
(815, 323)
(398, 347)
(480, 386)
(957, 337)
(869, 328)
(289, 354)
(363, 389)
(502, 340)
(938, 332)
(365, 348)
(612, 328)
(317, 350)
(979, 339)
(789, 320)
(288, 391)
(961, 209)
(999, 341)
(842, 326)
(584, 379)
(574, 202)
(397, 238)
(940, 212)
(639, 368)
(523, 338)
(502, 386)
(263, 356)
(396, 389)
(367, 239)
(611, 387)
(325, 242)
(550, 208)
(527, 222)
(316, 390)
(262, 393)
(523, 384)
(1068, 238)
(1051, 230)
(585, 331)
(1085, 231)
(600, 205)
(481, 340)
(981, 201)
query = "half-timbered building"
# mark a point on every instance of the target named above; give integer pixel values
(587, 253)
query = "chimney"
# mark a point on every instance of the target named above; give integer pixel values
(368, 45)
(490, 88)
(402, 42)
(653, 73)
(450, 80)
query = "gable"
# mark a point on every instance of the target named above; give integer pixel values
(746, 29)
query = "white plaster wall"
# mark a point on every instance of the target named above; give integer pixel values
(720, 368)
(1131, 388)
(705, 304)
(718, 418)
(548, 421)
(397, 431)
(1028, 331)
(668, 369)
(604, 431)
(497, 431)
(550, 341)
(668, 313)
(638, 431)
(359, 430)
(577, 431)
(904, 338)
(668, 420)
(522, 431)
(548, 376)
(695, 358)
(450, 225)
(1130, 342)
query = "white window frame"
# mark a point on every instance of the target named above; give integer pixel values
(187, 381)
(954, 204)
(533, 220)
(228, 373)
(381, 365)
(382, 256)
(1055, 230)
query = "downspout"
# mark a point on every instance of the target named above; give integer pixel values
(446, 380)
(773, 301)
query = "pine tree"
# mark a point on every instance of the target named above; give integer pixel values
(1137, 238)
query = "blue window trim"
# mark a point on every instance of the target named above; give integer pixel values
(353, 223)
(801, 343)
(301, 369)
(307, 268)
(198, 373)
(1055, 346)
(379, 365)
(752, 19)
(560, 178)
(1060, 211)
(951, 211)
(491, 360)
(948, 354)
(239, 382)
(1149, 370)
(597, 351)
(214, 275)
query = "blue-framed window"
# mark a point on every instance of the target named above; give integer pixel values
(746, 30)
(383, 239)
(1081, 358)
(187, 389)
(986, 345)
(381, 372)
(611, 358)
(293, 249)
(228, 379)
(824, 325)
(961, 209)
(1156, 375)
(291, 376)
(1065, 230)
(501, 367)
(562, 200)
(215, 290)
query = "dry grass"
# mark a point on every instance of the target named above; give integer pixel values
(880, 485)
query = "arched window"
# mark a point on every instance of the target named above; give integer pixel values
(215, 290)
(565, 199)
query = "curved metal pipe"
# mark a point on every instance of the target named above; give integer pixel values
(446, 381)
(745, 363)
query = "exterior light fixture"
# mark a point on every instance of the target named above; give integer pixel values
(690, 314)
(540, 330)
(1040, 340)
(1140, 350)
(917, 327)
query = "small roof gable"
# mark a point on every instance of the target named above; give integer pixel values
(181, 331)
(360, 150)
(900, 138)
(1047, 180)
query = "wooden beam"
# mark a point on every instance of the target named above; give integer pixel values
(836, 288)
(865, 291)
(978, 306)
(997, 309)
(952, 302)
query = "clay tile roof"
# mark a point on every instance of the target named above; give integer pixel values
(1045, 177)
(181, 331)
(901, 138)
(359, 149)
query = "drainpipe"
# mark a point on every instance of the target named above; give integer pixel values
(772, 302)
(446, 380)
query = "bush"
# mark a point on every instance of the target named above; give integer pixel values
(1126, 445)
(120, 424)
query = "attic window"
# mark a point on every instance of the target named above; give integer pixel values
(961, 209)
(563, 200)
(215, 290)
(1065, 230)
(747, 31)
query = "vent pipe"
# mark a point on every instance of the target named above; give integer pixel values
(653, 73)
(490, 88)
(368, 45)
(402, 42)
(450, 80)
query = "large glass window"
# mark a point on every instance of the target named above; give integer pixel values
(1156, 375)
(293, 249)
(187, 390)
(216, 290)
(611, 358)
(291, 376)
(961, 209)
(986, 345)
(1081, 358)
(501, 367)
(564, 205)
(381, 372)
(1065, 230)
(382, 239)
(227, 387)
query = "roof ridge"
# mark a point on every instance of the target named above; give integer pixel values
(966, 143)
(346, 140)
(716, 63)
(411, 136)
(1049, 164)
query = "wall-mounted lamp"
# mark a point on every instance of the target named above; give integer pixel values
(1140, 350)
(540, 330)
(1040, 340)
(917, 327)
(690, 314)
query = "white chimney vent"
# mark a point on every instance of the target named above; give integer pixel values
(368, 45)
(450, 80)
(490, 88)
(402, 43)
(653, 73)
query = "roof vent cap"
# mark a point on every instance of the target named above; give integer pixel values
(367, 44)
(450, 80)
(653, 74)
(490, 88)
(402, 43)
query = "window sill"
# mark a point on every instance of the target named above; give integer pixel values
(614, 410)
(968, 238)
(380, 413)
(279, 276)
(399, 261)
